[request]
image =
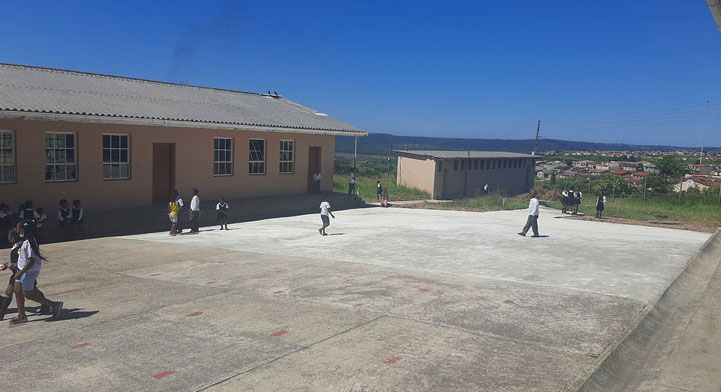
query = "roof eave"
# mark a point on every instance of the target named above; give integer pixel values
(42, 116)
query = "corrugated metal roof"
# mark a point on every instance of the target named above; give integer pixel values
(463, 154)
(26, 89)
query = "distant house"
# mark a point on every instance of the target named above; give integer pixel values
(454, 174)
(640, 175)
(621, 173)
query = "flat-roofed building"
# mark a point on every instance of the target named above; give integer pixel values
(454, 174)
(118, 142)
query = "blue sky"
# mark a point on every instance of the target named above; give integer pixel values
(615, 71)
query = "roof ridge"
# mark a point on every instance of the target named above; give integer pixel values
(95, 74)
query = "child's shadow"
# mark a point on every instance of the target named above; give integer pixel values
(336, 234)
(74, 313)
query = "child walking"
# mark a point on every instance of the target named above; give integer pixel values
(30, 262)
(324, 212)
(16, 242)
(600, 205)
(222, 208)
(174, 211)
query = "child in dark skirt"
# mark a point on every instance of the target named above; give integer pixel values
(600, 205)
(565, 199)
(222, 208)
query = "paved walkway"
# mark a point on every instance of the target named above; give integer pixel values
(393, 299)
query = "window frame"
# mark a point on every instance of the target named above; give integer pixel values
(281, 161)
(66, 164)
(251, 162)
(111, 148)
(13, 152)
(223, 162)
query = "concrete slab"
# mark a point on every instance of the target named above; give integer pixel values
(450, 300)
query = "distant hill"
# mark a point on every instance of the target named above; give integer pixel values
(380, 144)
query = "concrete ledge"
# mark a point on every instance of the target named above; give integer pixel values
(675, 340)
(153, 219)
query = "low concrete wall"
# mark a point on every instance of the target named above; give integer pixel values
(674, 342)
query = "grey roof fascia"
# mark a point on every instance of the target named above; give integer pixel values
(77, 118)
(440, 155)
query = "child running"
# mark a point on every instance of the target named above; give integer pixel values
(324, 212)
(15, 240)
(222, 208)
(30, 262)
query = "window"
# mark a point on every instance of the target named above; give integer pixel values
(287, 156)
(455, 164)
(475, 164)
(222, 156)
(60, 157)
(116, 157)
(7, 157)
(256, 160)
(483, 165)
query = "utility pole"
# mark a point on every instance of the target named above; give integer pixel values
(705, 126)
(355, 152)
(388, 175)
(538, 132)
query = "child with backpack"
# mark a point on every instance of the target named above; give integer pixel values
(222, 208)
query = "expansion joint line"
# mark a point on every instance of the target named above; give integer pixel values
(293, 352)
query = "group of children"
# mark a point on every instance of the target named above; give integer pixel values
(571, 199)
(175, 206)
(69, 217)
(25, 264)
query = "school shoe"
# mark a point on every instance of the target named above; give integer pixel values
(4, 304)
(45, 309)
(521, 234)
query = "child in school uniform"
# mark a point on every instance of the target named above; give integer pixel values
(78, 216)
(600, 205)
(324, 212)
(28, 212)
(222, 208)
(65, 218)
(384, 198)
(564, 196)
(40, 223)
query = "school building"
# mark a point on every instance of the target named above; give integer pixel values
(118, 142)
(455, 174)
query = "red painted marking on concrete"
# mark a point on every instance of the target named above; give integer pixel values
(155, 274)
(128, 300)
(280, 333)
(624, 321)
(18, 325)
(279, 292)
(81, 345)
(463, 325)
(392, 360)
(194, 314)
(358, 305)
(423, 289)
(509, 301)
(592, 354)
(212, 282)
(163, 374)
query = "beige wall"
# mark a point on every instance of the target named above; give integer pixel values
(449, 183)
(417, 173)
(193, 165)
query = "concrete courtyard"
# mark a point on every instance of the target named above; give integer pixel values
(391, 300)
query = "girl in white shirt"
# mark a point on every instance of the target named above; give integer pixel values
(30, 261)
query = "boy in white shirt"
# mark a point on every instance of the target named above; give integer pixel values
(532, 221)
(324, 212)
(194, 211)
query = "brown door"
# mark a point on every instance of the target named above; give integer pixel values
(313, 168)
(163, 171)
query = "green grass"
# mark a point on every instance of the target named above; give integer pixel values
(655, 208)
(366, 188)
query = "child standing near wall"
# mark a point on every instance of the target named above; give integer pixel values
(174, 212)
(222, 208)
(78, 216)
(65, 218)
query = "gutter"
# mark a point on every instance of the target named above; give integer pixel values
(168, 123)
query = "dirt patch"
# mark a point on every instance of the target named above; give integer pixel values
(706, 227)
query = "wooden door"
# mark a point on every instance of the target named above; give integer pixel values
(163, 172)
(314, 167)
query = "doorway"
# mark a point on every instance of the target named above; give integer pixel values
(313, 168)
(163, 172)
